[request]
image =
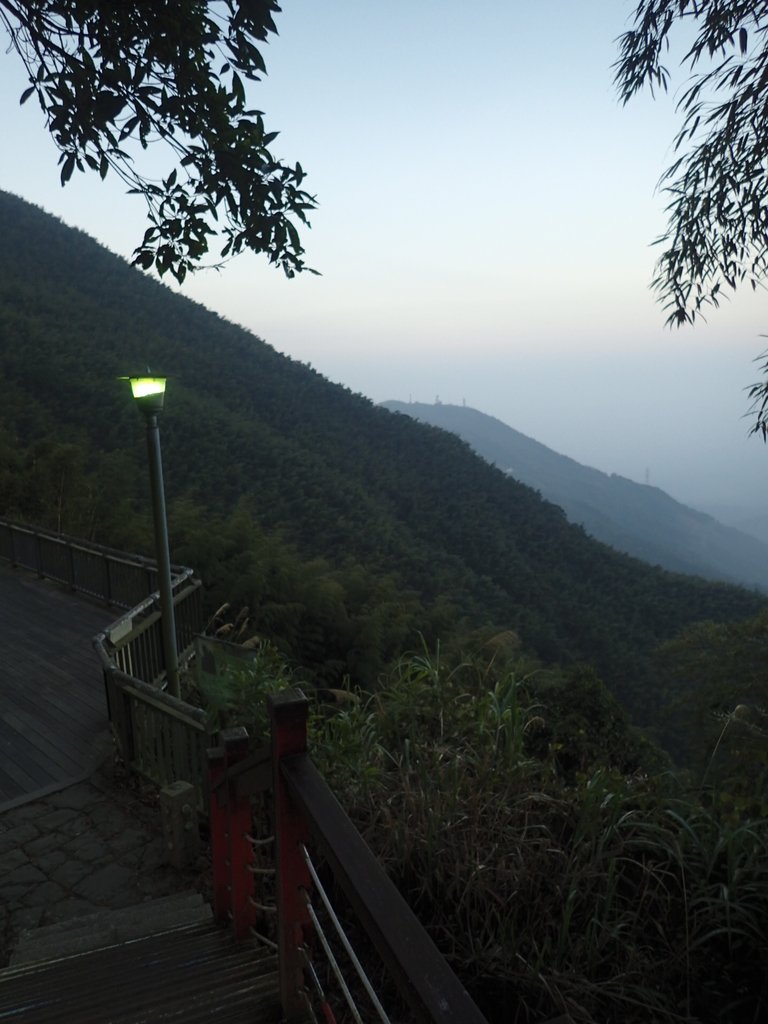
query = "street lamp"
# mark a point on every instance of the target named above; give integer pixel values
(149, 393)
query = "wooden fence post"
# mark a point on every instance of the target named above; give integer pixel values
(288, 715)
(178, 810)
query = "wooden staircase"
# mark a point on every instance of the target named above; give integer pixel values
(187, 973)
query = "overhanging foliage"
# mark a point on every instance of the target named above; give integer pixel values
(718, 215)
(109, 75)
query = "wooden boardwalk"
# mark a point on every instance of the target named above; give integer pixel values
(52, 705)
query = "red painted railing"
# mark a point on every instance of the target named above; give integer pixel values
(306, 815)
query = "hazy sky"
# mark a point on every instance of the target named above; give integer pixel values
(484, 234)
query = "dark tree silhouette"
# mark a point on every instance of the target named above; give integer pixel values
(107, 75)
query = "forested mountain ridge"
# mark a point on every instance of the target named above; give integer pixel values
(348, 530)
(637, 519)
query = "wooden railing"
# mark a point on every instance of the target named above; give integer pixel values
(306, 815)
(134, 643)
(102, 573)
(167, 740)
(158, 736)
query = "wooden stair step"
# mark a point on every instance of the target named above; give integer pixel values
(189, 974)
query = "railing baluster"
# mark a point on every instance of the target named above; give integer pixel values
(107, 582)
(342, 937)
(38, 556)
(71, 567)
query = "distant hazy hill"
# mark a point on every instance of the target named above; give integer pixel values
(643, 521)
(750, 519)
(346, 530)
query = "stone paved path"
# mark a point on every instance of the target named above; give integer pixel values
(97, 844)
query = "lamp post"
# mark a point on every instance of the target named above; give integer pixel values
(149, 393)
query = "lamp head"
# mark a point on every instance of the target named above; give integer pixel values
(149, 393)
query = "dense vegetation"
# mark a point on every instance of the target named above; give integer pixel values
(564, 872)
(345, 529)
(556, 861)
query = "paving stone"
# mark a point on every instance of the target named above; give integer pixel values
(56, 818)
(109, 821)
(44, 895)
(153, 858)
(12, 860)
(28, 812)
(20, 834)
(77, 798)
(106, 884)
(87, 848)
(90, 843)
(26, 917)
(133, 859)
(49, 862)
(12, 895)
(78, 826)
(92, 852)
(43, 844)
(130, 839)
(25, 875)
(70, 873)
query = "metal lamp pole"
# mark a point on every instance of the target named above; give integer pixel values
(149, 393)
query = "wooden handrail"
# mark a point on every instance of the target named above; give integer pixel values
(118, 582)
(417, 967)
(305, 811)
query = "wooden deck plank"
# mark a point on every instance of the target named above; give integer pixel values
(45, 744)
(52, 702)
(188, 975)
(73, 735)
(55, 705)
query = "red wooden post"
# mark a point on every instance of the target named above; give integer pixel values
(241, 856)
(219, 824)
(231, 849)
(288, 714)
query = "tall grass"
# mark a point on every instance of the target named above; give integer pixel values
(600, 893)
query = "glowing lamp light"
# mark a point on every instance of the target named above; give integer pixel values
(142, 386)
(149, 392)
